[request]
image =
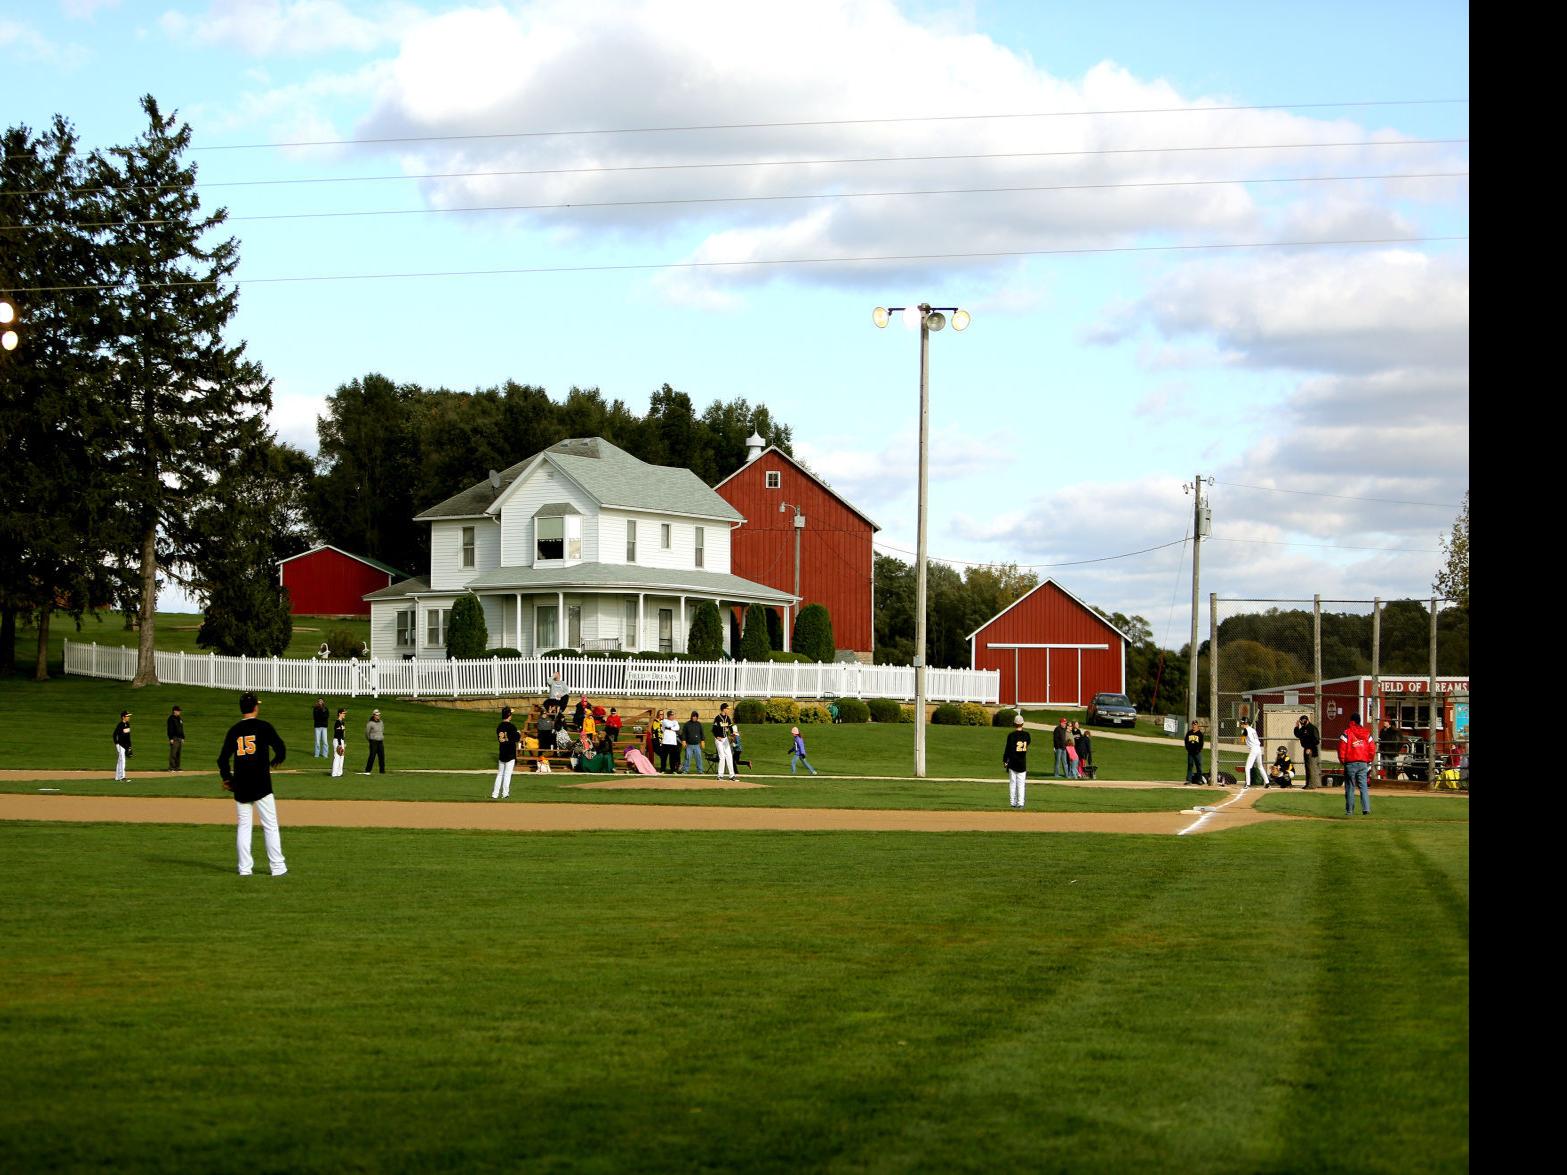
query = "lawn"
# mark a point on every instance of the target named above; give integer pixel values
(66, 723)
(174, 632)
(762, 1001)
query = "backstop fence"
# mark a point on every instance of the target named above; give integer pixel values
(1402, 665)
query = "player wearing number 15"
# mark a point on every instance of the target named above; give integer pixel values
(250, 744)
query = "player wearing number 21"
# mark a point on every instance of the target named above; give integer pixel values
(250, 744)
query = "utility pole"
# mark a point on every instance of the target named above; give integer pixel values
(1202, 524)
(799, 527)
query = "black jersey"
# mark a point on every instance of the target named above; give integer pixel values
(509, 742)
(250, 743)
(1015, 755)
(340, 731)
(122, 735)
(722, 726)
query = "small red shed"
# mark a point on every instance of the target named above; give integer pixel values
(1051, 649)
(325, 581)
(836, 562)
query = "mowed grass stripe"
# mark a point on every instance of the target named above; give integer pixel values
(749, 1001)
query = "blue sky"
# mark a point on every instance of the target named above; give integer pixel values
(1091, 386)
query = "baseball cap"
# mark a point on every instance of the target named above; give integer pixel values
(1018, 719)
(248, 702)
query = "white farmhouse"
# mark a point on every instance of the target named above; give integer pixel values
(581, 546)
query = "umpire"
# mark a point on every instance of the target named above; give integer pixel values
(1310, 740)
(249, 743)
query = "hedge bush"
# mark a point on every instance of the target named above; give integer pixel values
(812, 712)
(466, 632)
(813, 633)
(560, 653)
(503, 652)
(947, 714)
(973, 714)
(340, 642)
(906, 714)
(750, 711)
(785, 710)
(884, 710)
(754, 644)
(788, 658)
(853, 710)
(608, 654)
(705, 641)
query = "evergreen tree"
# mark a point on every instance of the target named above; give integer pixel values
(55, 426)
(247, 616)
(1452, 579)
(181, 392)
(754, 643)
(706, 639)
(813, 633)
(774, 630)
(467, 635)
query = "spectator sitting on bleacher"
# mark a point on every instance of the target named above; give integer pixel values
(556, 699)
(576, 715)
(563, 739)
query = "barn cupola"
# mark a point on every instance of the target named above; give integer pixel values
(754, 444)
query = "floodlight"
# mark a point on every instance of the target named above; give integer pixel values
(935, 320)
(881, 316)
(6, 312)
(960, 320)
(8, 340)
(911, 317)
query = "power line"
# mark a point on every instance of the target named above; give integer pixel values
(688, 200)
(653, 265)
(1031, 566)
(612, 168)
(747, 126)
(1343, 497)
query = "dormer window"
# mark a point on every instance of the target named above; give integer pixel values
(557, 534)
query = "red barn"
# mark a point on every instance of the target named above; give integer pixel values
(1051, 649)
(771, 490)
(325, 581)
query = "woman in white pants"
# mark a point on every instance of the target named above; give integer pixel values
(339, 743)
(1253, 750)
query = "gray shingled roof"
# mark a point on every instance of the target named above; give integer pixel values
(610, 475)
(556, 510)
(398, 591)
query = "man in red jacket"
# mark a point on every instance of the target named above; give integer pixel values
(1355, 751)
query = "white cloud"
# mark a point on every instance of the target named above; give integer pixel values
(86, 9)
(28, 44)
(293, 27)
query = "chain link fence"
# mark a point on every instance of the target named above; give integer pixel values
(1401, 665)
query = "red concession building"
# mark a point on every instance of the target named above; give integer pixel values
(325, 581)
(1051, 649)
(771, 490)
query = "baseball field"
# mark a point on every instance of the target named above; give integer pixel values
(1289, 995)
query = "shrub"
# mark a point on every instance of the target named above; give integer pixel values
(947, 714)
(973, 714)
(247, 615)
(560, 653)
(706, 639)
(466, 632)
(503, 652)
(884, 710)
(812, 712)
(754, 645)
(774, 629)
(853, 710)
(788, 658)
(906, 714)
(1005, 716)
(750, 711)
(813, 633)
(608, 654)
(340, 642)
(785, 710)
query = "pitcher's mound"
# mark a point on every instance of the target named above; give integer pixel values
(663, 783)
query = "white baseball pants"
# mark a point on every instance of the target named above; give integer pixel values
(266, 808)
(1019, 786)
(1253, 756)
(502, 788)
(726, 758)
(119, 761)
(339, 753)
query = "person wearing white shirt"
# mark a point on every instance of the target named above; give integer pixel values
(1253, 751)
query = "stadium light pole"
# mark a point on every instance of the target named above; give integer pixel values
(799, 525)
(928, 318)
(8, 337)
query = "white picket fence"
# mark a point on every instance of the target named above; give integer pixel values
(511, 677)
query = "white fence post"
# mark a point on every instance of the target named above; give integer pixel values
(353, 677)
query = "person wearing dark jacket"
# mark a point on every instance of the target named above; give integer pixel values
(1389, 746)
(1310, 740)
(1014, 757)
(318, 722)
(509, 743)
(1194, 741)
(1058, 737)
(122, 744)
(692, 735)
(1083, 744)
(246, 763)
(176, 728)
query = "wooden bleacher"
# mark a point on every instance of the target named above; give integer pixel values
(632, 727)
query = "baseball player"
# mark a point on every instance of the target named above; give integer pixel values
(1253, 750)
(249, 743)
(339, 742)
(1014, 756)
(122, 744)
(509, 739)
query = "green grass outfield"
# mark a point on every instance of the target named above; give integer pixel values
(1279, 997)
(67, 722)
